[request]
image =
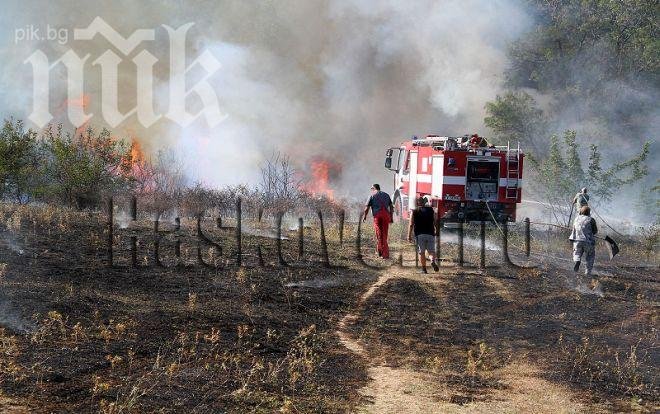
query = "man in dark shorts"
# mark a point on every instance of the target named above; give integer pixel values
(422, 222)
(382, 209)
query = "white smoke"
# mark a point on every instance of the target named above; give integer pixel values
(343, 79)
(9, 318)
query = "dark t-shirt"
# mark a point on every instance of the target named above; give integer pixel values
(422, 219)
(378, 201)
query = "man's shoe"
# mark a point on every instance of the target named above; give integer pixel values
(435, 266)
(423, 271)
(576, 266)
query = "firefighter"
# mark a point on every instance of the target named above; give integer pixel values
(581, 199)
(478, 142)
(422, 223)
(584, 240)
(382, 210)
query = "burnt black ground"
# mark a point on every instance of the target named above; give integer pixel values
(65, 270)
(531, 316)
(160, 323)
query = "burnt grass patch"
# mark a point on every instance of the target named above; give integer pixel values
(462, 326)
(79, 336)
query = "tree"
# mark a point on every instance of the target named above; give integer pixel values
(21, 156)
(618, 36)
(561, 174)
(599, 61)
(516, 117)
(279, 183)
(83, 168)
(619, 175)
(161, 182)
(573, 162)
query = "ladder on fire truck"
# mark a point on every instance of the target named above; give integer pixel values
(512, 170)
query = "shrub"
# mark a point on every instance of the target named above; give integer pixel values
(85, 167)
(21, 159)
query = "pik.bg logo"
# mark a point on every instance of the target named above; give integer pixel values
(143, 61)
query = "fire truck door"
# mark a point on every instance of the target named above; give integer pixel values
(412, 193)
(436, 177)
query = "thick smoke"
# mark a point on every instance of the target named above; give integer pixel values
(620, 126)
(341, 79)
(619, 113)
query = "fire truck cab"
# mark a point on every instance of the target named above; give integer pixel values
(463, 178)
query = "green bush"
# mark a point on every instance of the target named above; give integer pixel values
(83, 168)
(75, 170)
(21, 159)
(516, 117)
(561, 174)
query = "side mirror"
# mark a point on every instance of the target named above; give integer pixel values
(388, 159)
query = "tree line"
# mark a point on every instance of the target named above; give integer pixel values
(61, 167)
(82, 169)
(595, 64)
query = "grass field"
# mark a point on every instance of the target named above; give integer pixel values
(79, 336)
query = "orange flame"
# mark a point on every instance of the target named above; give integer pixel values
(82, 102)
(323, 172)
(138, 166)
(135, 161)
(137, 155)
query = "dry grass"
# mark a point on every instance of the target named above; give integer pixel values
(463, 332)
(191, 338)
(617, 370)
(253, 339)
(10, 368)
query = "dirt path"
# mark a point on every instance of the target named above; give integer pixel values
(347, 339)
(403, 390)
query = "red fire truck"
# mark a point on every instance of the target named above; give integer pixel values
(463, 178)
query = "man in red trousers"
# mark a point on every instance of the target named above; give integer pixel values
(382, 209)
